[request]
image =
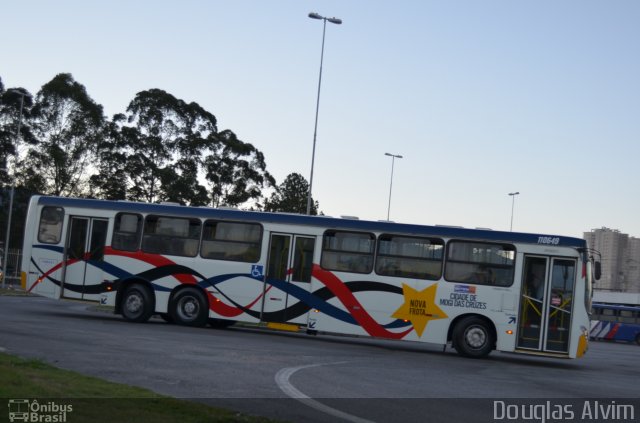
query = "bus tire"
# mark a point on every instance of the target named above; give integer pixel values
(189, 307)
(638, 339)
(473, 337)
(137, 303)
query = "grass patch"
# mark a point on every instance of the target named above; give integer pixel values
(101, 308)
(14, 292)
(96, 400)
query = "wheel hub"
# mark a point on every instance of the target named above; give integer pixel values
(188, 308)
(134, 303)
(475, 337)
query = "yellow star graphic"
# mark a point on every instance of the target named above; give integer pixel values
(419, 307)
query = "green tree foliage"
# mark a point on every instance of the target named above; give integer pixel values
(164, 147)
(161, 149)
(68, 125)
(110, 182)
(11, 143)
(235, 170)
(164, 139)
(291, 196)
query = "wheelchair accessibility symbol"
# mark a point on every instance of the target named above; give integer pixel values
(257, 270)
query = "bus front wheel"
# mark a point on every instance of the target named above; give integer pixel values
(472, 337)
(137, 303)
(189, 307)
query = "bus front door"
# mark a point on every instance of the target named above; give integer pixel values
(84, 252)
(288, 278)
(546, 304)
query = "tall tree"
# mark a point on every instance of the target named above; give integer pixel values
(110, 182)
(236, 171)
(165, 139)
(172, 144)
(291, 196)
(15, 111)
(68, 125)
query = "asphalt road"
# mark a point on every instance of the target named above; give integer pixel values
(297, 377)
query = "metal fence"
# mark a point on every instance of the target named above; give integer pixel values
(12, 268)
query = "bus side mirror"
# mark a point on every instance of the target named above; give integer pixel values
(597, 270)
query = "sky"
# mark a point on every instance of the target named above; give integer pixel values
(481, 97)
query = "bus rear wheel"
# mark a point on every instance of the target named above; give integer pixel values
(137, 303)
(189, 307)
(472, 337)
(638, 339)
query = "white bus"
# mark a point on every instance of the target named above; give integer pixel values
(478, 290)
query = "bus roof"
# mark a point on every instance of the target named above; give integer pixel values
(318, 221)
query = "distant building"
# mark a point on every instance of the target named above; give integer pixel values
(632, 262)
(620, 259)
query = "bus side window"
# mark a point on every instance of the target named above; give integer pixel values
(50, 229)
(608, 315)
(409, 257)
(626, 316)
(231, 241)
(171, 236)
(480, 263)
(348, 251)
(126, 232)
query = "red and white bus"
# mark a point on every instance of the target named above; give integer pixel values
(478, 290)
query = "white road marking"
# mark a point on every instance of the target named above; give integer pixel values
(282, 380)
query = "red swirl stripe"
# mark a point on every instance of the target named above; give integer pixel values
(216, 305)
(50, 271)
(152, 259)
(353, 306)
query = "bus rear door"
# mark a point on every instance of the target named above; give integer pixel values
(288, 278)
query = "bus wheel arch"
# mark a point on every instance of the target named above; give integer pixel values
(472, 335)
(638, 339)
(189, 306)
(136, 301)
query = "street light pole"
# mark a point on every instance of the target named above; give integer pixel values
(336, 21)
(7, 237)
(513, 201)
(393, 159)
